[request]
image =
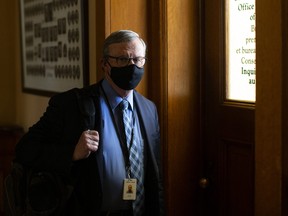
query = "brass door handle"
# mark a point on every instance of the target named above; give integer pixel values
(204, 182)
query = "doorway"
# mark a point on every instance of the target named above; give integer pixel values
(228, 129)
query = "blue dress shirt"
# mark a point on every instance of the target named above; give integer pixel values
(110, 156)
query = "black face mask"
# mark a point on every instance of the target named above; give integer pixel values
(128, 77)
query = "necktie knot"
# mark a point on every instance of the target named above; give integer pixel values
(124, 104)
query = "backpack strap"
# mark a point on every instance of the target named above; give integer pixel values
(87, 108)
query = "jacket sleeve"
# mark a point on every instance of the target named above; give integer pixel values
(49, 144)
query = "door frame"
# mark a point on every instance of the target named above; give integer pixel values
(271, 151)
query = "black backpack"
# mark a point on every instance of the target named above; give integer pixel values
(28, 193)
(31, 193)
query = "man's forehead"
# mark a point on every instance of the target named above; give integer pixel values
(129, 46)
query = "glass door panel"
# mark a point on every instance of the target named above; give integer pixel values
(240, 46)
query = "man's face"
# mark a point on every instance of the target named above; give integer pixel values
(128, 49)
(132, 49)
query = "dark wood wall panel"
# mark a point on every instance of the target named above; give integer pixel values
(237, 163)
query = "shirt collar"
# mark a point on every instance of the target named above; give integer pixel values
(112, 96)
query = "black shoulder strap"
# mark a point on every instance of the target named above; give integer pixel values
(87, 109)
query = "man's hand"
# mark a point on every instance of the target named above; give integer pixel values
(87, 143)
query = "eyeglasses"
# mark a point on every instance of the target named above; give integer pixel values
(124, 61)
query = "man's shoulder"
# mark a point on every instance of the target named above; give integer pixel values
(142, 99)
(72, 94)
(144, 104)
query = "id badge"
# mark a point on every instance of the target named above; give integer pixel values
(129, 189)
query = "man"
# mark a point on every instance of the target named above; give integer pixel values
(114, 147)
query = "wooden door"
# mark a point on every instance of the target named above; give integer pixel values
(227, 128)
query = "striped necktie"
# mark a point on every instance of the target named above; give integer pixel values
(138, 204)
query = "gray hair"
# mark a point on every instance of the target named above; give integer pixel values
(118, 37)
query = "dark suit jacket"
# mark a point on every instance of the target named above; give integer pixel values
(50, 143)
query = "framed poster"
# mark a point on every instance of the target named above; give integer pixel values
(54, 45)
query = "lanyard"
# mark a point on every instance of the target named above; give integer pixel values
(125, 150)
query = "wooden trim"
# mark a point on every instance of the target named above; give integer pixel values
(285, 107)
(158, 74)
(107, 27)
(103, 15)
(269, 109)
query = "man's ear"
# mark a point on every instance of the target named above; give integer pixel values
(104, 61)
(105, 65)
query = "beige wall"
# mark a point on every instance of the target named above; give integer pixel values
(8, 51)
